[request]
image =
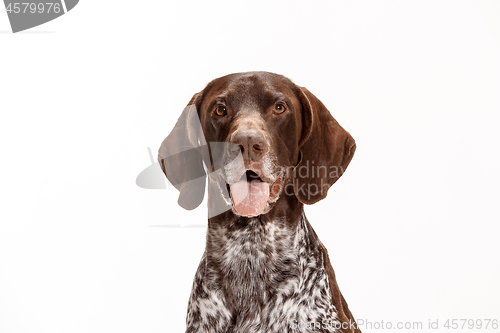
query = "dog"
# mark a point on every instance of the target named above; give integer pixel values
(266, 147)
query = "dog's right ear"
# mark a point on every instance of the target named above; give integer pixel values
(182, 153)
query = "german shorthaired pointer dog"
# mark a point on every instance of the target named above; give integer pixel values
(267, 147)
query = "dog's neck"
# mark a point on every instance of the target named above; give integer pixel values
(260, 239)
(256, 260)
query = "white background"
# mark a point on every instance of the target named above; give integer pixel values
(411, 228)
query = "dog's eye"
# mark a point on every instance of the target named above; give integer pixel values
(220, 111)
(279, 108)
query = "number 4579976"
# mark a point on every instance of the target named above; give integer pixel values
(471, 324)
(27, 7)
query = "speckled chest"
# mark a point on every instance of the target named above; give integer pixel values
(264, 277)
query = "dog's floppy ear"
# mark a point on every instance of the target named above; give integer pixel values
(182, 153)
(325, 150)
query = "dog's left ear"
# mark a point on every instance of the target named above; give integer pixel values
(325, 150)
(182, 153)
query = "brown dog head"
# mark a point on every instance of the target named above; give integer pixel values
(260, 137)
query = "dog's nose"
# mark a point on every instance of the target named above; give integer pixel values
(251, 143)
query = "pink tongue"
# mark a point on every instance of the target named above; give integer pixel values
(249, 198)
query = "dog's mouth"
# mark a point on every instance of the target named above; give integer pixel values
(251, 195)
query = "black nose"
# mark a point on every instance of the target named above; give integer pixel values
(251, 143)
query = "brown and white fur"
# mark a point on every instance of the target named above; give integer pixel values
(264, 269)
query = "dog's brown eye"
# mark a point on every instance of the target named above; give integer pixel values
(221, 110)
(279, 108)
